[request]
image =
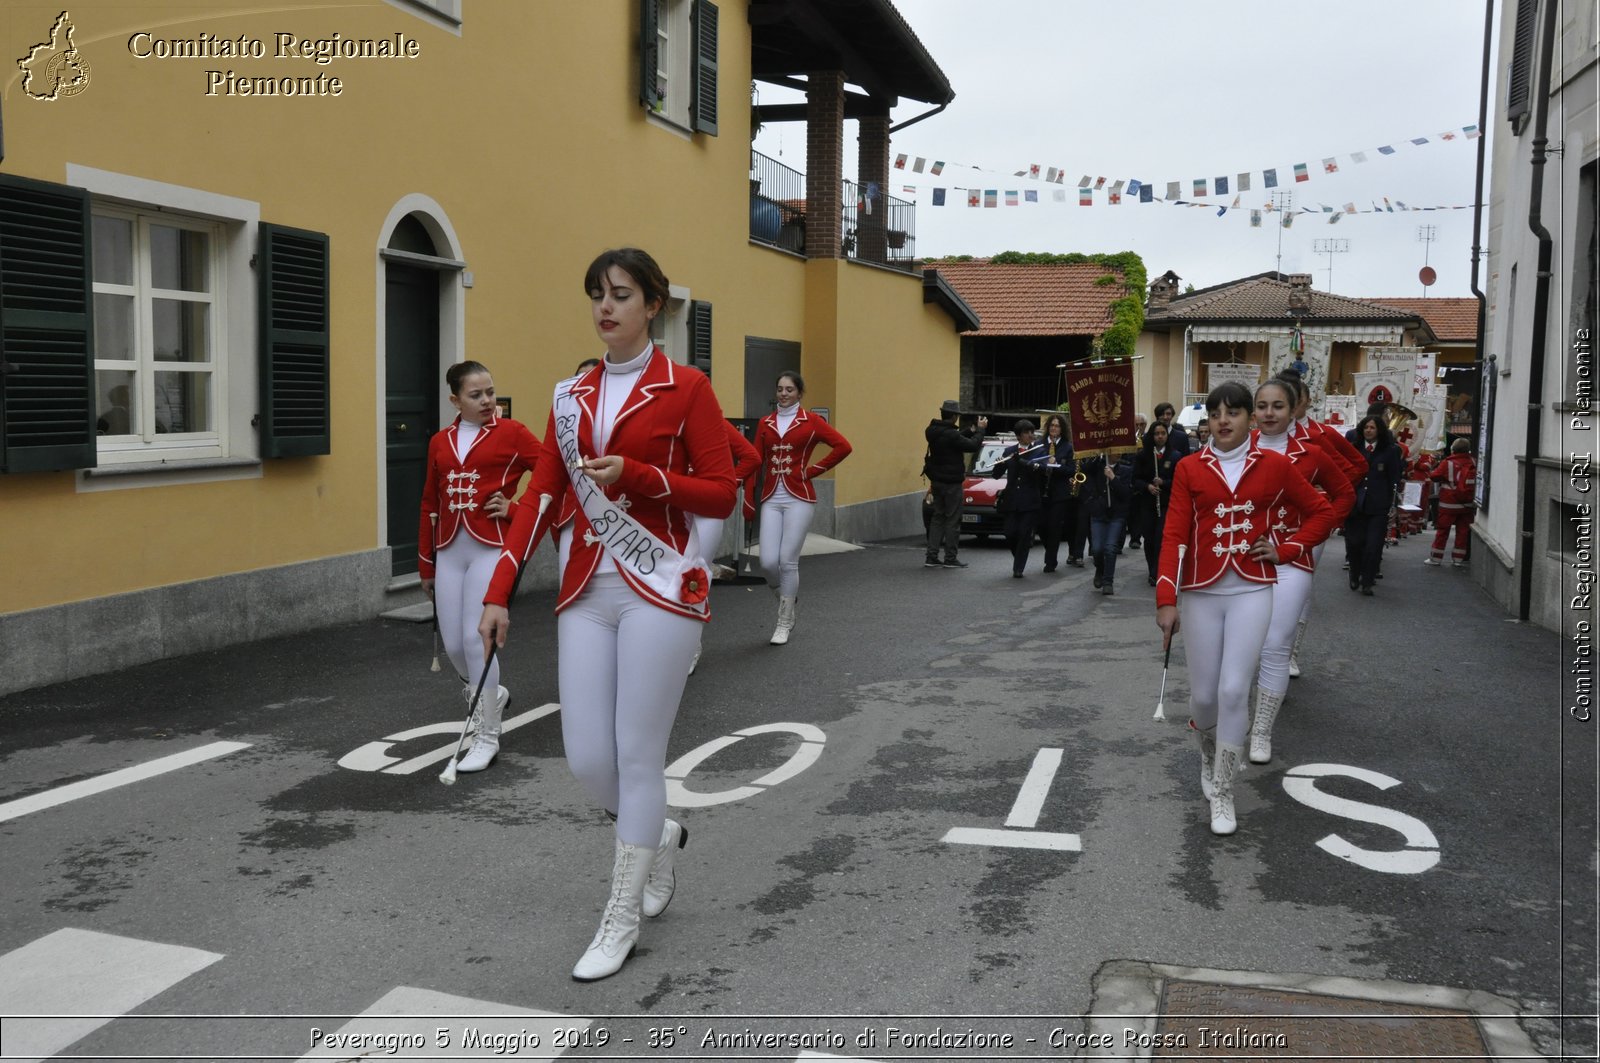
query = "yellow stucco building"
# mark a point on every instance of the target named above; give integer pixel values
(239, 244)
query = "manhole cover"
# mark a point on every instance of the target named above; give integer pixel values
(1208, 1019)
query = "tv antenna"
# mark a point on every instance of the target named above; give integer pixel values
(1330, 247)
(1281, 202)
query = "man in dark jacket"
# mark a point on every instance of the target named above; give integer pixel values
(1022, 464)
(946, 470)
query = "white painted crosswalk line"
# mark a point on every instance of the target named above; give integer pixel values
(110, 781)
(417, 1015)
(81, 979)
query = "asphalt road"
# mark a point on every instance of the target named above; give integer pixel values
(1429, 819)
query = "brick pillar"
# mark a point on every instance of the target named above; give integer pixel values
(873, 167)
(824, 163)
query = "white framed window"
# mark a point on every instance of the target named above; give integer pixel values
(678, 78)
(670, 328)
(159, 321)
(190, 415)
(673, 56)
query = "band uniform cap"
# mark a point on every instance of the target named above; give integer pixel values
(950, 406)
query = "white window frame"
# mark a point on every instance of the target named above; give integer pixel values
(236, 452)
(149, 444)
(675, 57)
(670, 328)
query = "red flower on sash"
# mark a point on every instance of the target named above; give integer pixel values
(696, 586)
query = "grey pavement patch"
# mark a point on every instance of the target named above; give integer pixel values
(421, 613)
(1128, 995)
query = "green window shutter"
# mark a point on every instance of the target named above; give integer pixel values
(700, 336)
(46, 328)
(703, 109)
(649, 53)
(292, 289)
(1521, 73)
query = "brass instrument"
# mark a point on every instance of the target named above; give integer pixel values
(1399, 414)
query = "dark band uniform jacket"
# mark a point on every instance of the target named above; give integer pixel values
(1024, 472)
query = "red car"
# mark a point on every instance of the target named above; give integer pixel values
(978, 491)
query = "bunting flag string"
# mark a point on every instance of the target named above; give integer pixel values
(991, 197)
(1143, 191)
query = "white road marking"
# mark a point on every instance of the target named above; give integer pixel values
(471, 1029)
(812, 739)
(64, 973)
(374, 756)
(22, 806)
(1014, 839)
(1422, 847)
(1030, 799)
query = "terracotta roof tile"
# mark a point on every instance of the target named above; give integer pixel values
(1034, 300)
(1267, 298)
(1452, 319)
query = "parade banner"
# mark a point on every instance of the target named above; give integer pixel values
(1390, 386)
(1427, 373)
(1246, 373)
(1430, 422)
(1338, 412)
(1101, 404)
(1394, 360)
(1307, 354)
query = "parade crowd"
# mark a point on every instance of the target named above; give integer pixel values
(638, 468)
(1232, 525)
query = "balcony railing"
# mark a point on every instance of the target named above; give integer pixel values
(777, 204)
(884, 231)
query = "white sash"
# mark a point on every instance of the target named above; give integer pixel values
(649, 563)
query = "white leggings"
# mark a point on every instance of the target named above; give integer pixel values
(461, 573)
(1222, 635)
(709, 531)
(1316, 558)
(1289, 597)
(623, 663)
(784, 520)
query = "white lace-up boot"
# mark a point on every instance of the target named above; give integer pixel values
(785, 621)
(486, 746)
(619, 923)
(1207, 740)
(1267, 706)
(1226, 766)
(658, 888)
(1294, 650)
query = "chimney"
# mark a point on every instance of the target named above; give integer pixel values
(1299, 293)
(1162, 289)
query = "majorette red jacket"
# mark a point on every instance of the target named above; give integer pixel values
(1343, 452)
(1459, 475)
(670, 421)
(456, 489)
(746, 460)
(788, 457)
(1219, 525)
(1323, 473)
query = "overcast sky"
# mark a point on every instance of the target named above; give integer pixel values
(1165, 91)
